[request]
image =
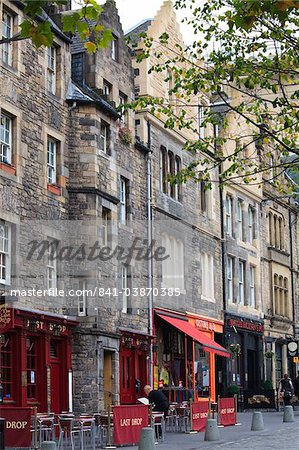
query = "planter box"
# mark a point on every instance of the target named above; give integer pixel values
(8, 168)
(54, 189)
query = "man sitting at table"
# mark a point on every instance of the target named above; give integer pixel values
(160, 401)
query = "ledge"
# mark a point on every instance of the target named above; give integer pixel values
(56, 190)
(8, 168)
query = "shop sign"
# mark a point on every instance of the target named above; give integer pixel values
(128, 422)
(17, 427)
(246, 325)
(39, 325)
(205, 325)
(227, 411)
(6, 318)
(199, 411)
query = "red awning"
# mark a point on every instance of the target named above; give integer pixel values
(207, 343)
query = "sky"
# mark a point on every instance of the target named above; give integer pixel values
(132, 12)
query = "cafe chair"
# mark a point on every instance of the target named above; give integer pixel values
(159, 425)
(68, 431)
(183, 418)
(171, 420)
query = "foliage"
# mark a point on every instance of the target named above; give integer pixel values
(85, 22)
(125, 135)
(233, 389)
(269, 355)
(267, 384)
(235, 349)
(245, 62)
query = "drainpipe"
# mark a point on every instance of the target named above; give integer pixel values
(150, 260)
(292, 267)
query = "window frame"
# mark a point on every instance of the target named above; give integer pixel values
(51, 265)
(114, 49)
(123, 99)
(123, 199)
(104, 137)
(252, 286)
(229, 215)
(230, 278)
(251, 224)
(208, 282)
(8, 144)
(82, 299)
(52, 145)
(51, 69)
(5, 253)
(106, 218)
(7, 46)
(241, 282)
(240, 219)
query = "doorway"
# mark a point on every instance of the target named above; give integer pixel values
(56, 377)
(127, 377)
(252, 368)
(108, 379)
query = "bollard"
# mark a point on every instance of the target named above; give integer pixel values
(212, 432)
(147, 439)
(48, 445)
(2, 427)
(257, 423)
(288, 414)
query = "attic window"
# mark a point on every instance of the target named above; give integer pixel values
(114, 49)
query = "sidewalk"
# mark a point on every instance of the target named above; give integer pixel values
(276, 436)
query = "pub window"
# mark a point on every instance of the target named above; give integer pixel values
(31, 345)
(7, 375)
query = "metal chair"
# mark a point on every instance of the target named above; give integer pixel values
(45, 428)
(88, 433)
(159, 425)
(183, 418)
(68, 430)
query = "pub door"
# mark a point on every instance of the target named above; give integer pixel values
(127, 376)
(56, 378)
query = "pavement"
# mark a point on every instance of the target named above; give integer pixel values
(276, 436)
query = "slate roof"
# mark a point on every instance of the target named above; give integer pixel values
(134, 32)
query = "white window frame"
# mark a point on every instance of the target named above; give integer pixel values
(6, 138)
(51, 69)
(82, 299)
(5, 252)
(123, 200)
(7, 32)
(208, 289)
(228, 215)
(241, 281)
(114, 48)
(107, 89)
(124, 286)
(230, 278)
(271, 169)
(251, 216)
(252, 270)
(104, 130)
(240, 219)
(51, 265)
(51, 161)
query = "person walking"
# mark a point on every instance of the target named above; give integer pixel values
(286, 389)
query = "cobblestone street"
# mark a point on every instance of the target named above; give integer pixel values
(276, 436)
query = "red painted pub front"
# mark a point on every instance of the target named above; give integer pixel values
(35, 359)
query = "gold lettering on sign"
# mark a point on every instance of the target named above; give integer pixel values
(16, 425)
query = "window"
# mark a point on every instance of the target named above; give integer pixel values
(228, 207)
(137, 92)
(241, 282)
(276, 230)
(208, 276)
(201, 117)
(107, 90)
(104, 137)
(251, 224)
(136, 72)
(82, 299)
(124, 195)
(173, 266)
(271, 168)
(170, 85)
(52, 265)
(5, 252)
(240, 219)
(252, 286)
(7, 375)
(230, 278)
(7, 32)
(125, 287)
(51, 161)
(51, 69)
(123, 99)
(31, 345)
(178, 185)
(281, 296)
(6, 139)
(163, 170)
(203, 196)
(114, 49)
(106, 219)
